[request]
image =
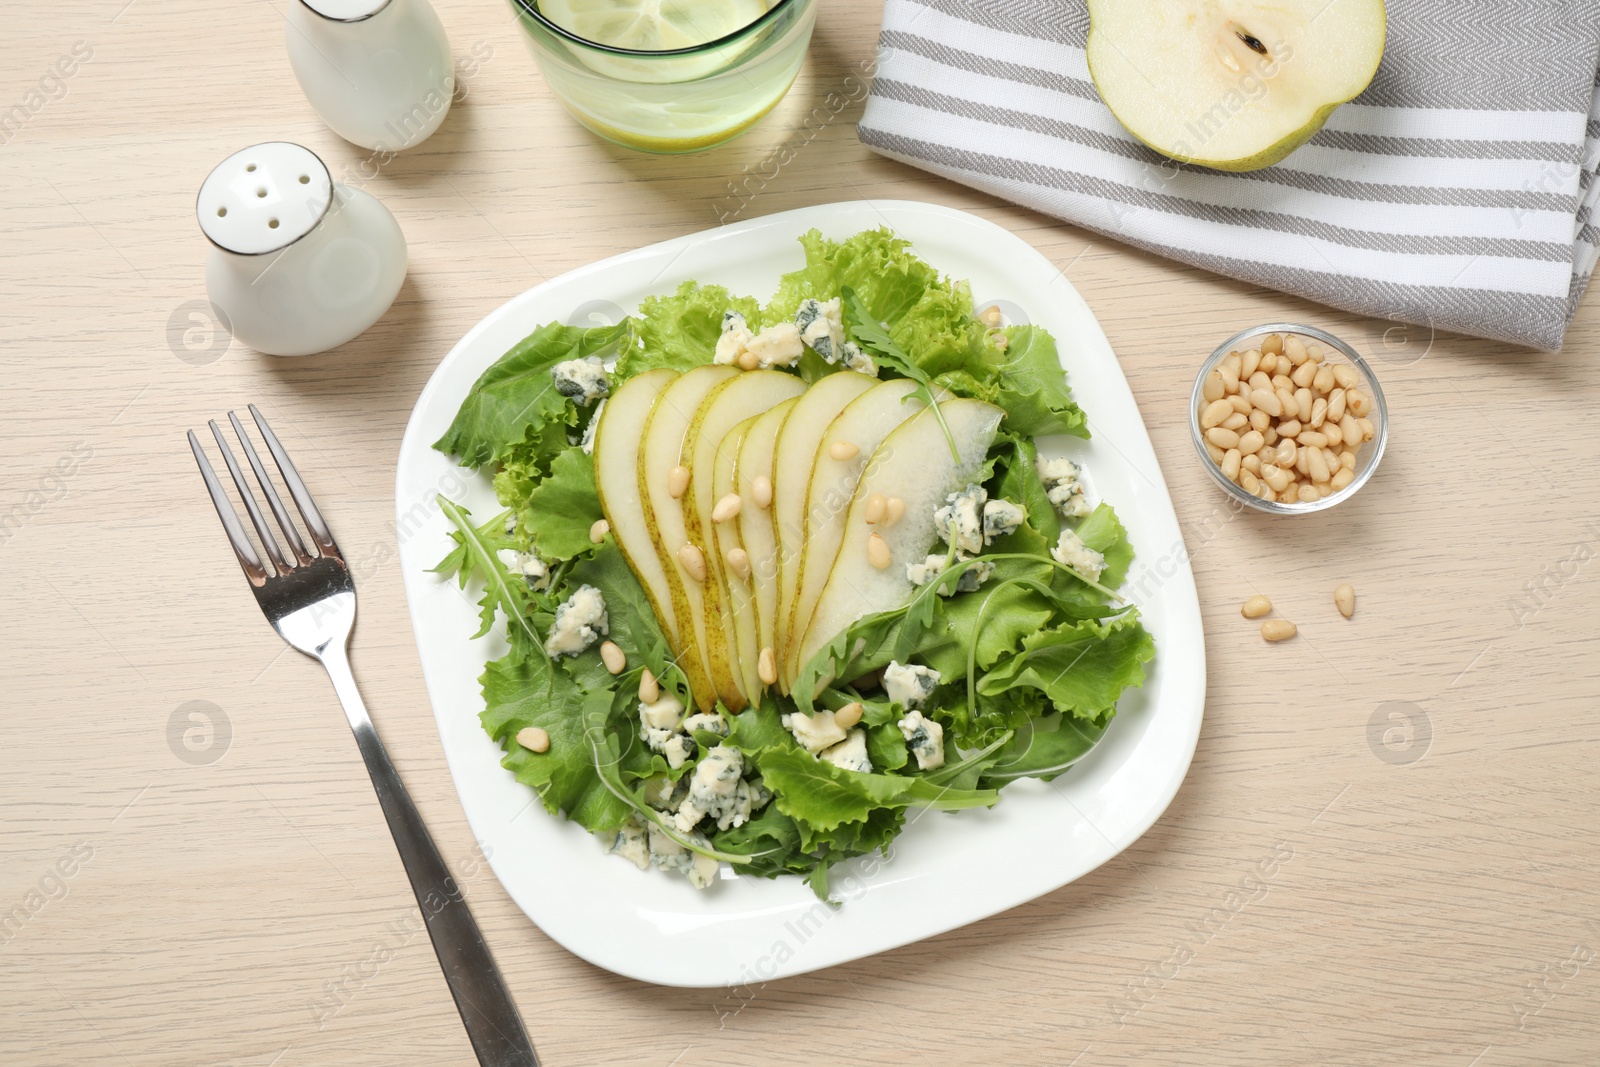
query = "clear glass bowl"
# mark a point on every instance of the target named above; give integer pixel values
(1366, 460)
(681, 100)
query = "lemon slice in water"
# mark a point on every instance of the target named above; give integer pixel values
(655, 26)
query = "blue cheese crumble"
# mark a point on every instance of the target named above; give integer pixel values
(908, 684)
(717, 791)
(631, 843)
(735, 336)
(924, 739)
(580, 622)
(1063, 485)
(816, 731)
(858, 360)
(671, 856)
(1001, 518)
(587, 441)
(821, 328)
(776, 346)
(1072, 552)
(970, 579)
(851, 753)
(960, 521)
(582, 381)
(711, 722)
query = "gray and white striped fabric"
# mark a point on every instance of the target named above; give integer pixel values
(1459, 191)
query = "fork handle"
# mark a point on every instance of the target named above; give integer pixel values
(493, 1025)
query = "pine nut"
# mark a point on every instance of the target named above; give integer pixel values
(849, 715)
(1256, 607)
(1259, 380)
(1302, 397)
(1336, 402)
(1323, 382)
(726, 508)
(1291, 406)
(1302, 461)
(1277, 630)
(1281, 380)
(1262, 400)
(1222, 438)
(761, 491)
(1268, 454)
(1212, 390)
(1319, 466)
(1215, 413)
(613, 657)
(1351, 428)
(1269, 436)
(1269, 362)
(649, 688)
(678, 482)
(843, 450)
(598, 530)
(878, 553)
(1249, 482)
(1344, 598)
(1230, 378)
(693, 561)
(1314, 352)
(749, 360)
(877, 507)
(1214, 452)
(1331, 458)
(897, 508)
(1358, 402)
(1272, 345)
(1260, 421)
(1345, 376)
(991, 315)
(767, 666)
(1309, 494)
(1285, 455)
(1275, 476)
(1241, 403)
(1304, 374)
(1312, 437)
(1295, 348)
(1230, 464)
(1247, 366)
(1250, 464)
(534, 739)
(1235, 422)
(1251, 441)
(1289, 428)
(1334, 435)
(1234, 361)
(1343, 479)
(1319, 412)
(738, 562)
(1368, 431)
(1347, 460)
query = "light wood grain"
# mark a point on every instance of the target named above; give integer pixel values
(1436, 912)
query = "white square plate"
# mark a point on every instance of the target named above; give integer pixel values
(947, 869)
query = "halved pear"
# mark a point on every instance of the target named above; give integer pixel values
(913, 463)
(727, 405)
(792, 460)
(861, 426)
(1231, 84)
(660, 450)
(616, 477)
(756, 531)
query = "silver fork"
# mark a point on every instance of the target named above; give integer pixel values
(311, 601)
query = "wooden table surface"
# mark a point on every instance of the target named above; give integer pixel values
(1432, 895)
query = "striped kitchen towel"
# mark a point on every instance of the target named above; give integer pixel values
(1457, 192)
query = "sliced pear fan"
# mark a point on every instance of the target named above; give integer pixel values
(756, 531)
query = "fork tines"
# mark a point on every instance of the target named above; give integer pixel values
(322, 541)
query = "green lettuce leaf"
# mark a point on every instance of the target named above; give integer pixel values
(680, 331)
(1033, 387)
(1081, 667)
(516, 397)
(561, 508)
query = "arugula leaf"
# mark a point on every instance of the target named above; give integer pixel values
(865, 329)
(516, 397)
(1045, 747)
(680, 331)
(561, 508)
(474, 556)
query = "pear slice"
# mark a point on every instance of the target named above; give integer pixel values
(616, 476)
(756, 531)
(1231, 84)
(738, 589)
(727, 405)
(861, 426)
(913, 463)
(792, 460)
(660, 450)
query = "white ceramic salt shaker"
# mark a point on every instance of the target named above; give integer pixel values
(299, 264)
(377, 71)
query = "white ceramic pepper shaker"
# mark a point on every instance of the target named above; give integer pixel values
(377, 71)
(299, 264)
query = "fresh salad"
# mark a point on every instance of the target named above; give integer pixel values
(774, 574)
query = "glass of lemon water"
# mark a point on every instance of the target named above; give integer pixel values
(668, 75)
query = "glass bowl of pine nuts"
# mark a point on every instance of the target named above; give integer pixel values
(1288, 419)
